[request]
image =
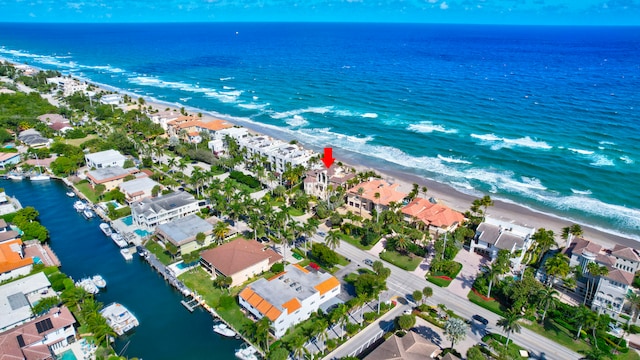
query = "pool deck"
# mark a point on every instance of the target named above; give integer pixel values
(82, 350)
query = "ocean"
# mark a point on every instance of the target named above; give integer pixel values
(167, 330)
(542, 116)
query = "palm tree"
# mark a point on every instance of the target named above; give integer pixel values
(360, 192)
(220, 231)
(583, 315)
(509, 323)
(455, 330)
(377, 197)
(255, 222)
(595, 271)
(634, 303)
(557, 266)
(547, 299)
(544, 240)
(569, 232)
(492, 272)
(322, 332)
(595, 354)
(262, 332)
(333, 239)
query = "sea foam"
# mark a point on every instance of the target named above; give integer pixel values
(428, 127)
(502, 142)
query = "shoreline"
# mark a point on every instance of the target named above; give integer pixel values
(503, 209)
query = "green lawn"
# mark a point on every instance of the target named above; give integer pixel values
(87, 191)
(224, 303)
(356, 242)
(490, 305)
(557, 333)
(401, 261)
(159, 252)
(295, 212)
(438, 281)
(78, 142)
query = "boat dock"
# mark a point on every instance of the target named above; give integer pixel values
(190, 303)
(167, 274)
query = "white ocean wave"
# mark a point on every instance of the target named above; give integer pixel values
(369, 115)
(627, 160)
(227, 78)
(498, 143)
(601, 160)
(453, 160)
(228, 87)
(581, 192)
(428, 127)
(580, 151)
(297, 121)
(290, 113)
(606, 143)
(253, 106)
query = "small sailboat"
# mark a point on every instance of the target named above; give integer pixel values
(40, 176)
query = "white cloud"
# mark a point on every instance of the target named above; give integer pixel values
(444, 6)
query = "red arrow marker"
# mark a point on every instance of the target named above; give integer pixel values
(328, 159)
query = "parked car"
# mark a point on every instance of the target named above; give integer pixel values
(368, 262)
(480, 319)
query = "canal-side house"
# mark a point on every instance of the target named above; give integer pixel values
(8, 204)
(13, 262)
(411, 346)
(434, 215)
(317, 181)
(376, 194)
(290, 297)
(18, 296)
(605, 293)
(239, 259)
(138, 189)
(33, 138)
(8, 159)
(111, 177)
(151, 212)
(41, 337)
(6, 232)
(182, 233)
(104, 159)
(493, 235)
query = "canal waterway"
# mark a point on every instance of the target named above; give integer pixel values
(167, 330)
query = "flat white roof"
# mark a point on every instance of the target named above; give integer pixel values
(141, 184)
(106, 156)
(14, 305)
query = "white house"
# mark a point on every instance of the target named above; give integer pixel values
(277, 152)
(17, 297)
(181, 232)
(152, 212)
(111, 99)
(41, 337)
(290, 297)
(317, 181)
(138, 189)
(218, 144)
(67, 85)
(7, 159)
(493, 235)
(105, 159)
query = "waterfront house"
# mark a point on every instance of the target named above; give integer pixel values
(138, 189)
(33, 138)
(493, 235)
(409, 347)
(67, 85)
(111, 99)
(13, 262)
(7, 204)
(111, 177)
(104, 159)
(290, 297)
(239, 259)
(317, 181)
(163, 117)
(218, 145)
(432, 214)
(605, 293)
(212, 127)
(41, 337)
(278, 153)
(368, 200)
(151, 212)
(18, 296)
(8, 159)
(182, 233)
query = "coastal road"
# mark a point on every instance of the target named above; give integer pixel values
(403, 283)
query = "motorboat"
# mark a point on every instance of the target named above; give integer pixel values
(106, 229)
(79, 205)
(119, 318)
(224, 330)
(71, 193)
(127, 253)
(247, 353)
(88, 285)
(119, 240)
(14, 176)
(88, 214)
(99, 281)
(39, 177)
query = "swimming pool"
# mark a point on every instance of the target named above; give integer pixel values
(67, 355)
(127, 220)
(141, 233)
(37, 260)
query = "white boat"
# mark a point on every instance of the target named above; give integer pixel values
(119, 240)
(79, 205)
(119, 318)
(224, 330)
(99, 281)
(14, 176)
(127, 253)
(106, 229)
(88, 286)
(88, 213)
(71, 193)
(39, 177)
(247, 353)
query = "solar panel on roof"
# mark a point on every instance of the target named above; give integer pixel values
(44, 325)
(20, 340)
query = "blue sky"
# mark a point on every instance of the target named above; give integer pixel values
(559, 12)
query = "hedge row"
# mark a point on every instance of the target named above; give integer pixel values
(248, 180)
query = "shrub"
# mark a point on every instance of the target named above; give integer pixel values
(634, 329)
(277, 268)
(248, 180)
(352, 328)
(369, 316)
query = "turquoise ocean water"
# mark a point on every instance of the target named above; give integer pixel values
(543, 116)
(167, 330)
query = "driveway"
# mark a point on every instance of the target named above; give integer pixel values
(471, 265)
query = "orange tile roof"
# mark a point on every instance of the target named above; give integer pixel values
(11, 260)
(327, 285)
(259, 303)
(301, 268)
(437, 215)
(215, 125)
(273, 314)
(388, 192)
(292, 305)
